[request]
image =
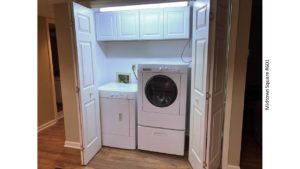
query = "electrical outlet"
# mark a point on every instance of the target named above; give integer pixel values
(123, 77)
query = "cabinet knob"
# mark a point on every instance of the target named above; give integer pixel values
(159, 133)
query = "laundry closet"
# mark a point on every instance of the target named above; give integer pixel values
(144, 80)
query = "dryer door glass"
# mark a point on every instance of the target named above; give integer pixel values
(161, 91)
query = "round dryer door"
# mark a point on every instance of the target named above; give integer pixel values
(161, 90)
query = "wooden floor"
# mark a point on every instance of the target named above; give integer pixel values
(52, 154)
(51, 151)
(251, 154)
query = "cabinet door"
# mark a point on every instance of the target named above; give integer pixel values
(176, 23)
(115, 116)
(106, 26)
(151, 24)
(128, 25)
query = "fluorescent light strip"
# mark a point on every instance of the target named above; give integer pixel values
(144, 6)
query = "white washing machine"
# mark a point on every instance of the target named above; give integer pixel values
(162, 91)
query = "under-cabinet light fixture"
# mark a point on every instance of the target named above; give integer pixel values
(144, 6)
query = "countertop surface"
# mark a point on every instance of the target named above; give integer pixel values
(118, 87)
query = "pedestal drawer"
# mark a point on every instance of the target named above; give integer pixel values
(161, 140)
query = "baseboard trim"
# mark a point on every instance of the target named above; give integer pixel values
(60, 115)
(46, 125)
(71, 144)
(233, 167)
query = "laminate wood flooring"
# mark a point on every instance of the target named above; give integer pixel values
(251, 154)
(51, 151)
(52, 154)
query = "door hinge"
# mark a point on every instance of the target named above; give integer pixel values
(77, 89)
(71, 23)
(211, 16)
(204, 164)
(207, 95)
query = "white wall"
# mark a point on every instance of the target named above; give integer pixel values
(118, 56)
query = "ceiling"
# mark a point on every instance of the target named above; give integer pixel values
(45, 7)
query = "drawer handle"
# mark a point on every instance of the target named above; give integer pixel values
(120, 116)
(159, 133)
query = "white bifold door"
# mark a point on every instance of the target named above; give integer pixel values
(207, 90)
(88, 95)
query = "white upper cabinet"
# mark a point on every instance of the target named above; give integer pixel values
(128, 25)
(143, 24)
(106, 26)
(176, 23)
(151, 24)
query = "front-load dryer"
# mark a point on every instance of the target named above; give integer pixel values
(162, 92)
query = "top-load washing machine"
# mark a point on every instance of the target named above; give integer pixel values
(162, 92)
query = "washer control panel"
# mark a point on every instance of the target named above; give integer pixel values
(162, 68)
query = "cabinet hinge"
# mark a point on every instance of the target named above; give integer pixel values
(207, 95)
(204, 164)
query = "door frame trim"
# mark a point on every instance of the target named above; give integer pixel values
(51, 21)
(240, 18)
